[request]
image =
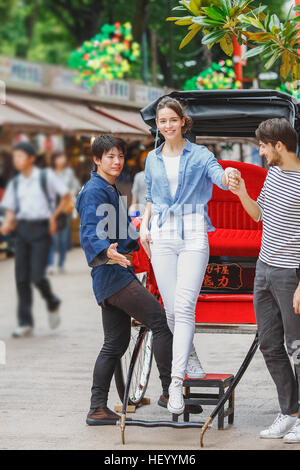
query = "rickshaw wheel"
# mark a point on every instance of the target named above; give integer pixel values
(142, 367)
(143, 363)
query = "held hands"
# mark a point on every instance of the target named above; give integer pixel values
(231, 174)
(113, 254)
(236, 184)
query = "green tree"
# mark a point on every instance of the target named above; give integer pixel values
(220, 21)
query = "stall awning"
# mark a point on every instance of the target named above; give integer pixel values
(43, 109)
(16, 119)
(108, 124)
(130, 118)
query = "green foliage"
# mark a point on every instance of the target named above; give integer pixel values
(262, 31)
(107, 55)
(219, 76)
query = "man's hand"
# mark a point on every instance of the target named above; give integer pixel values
(52, 225)
(113, 254)
(232, 173)
(237, 186)
(145, 238)
(296, 300)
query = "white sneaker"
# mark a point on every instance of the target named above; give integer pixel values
(194, 369)
(280, 427)
(54, 319)
(176, 402)
(51, 270)
(293, 436)
(22, 332)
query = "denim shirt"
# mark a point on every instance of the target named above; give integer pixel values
(104, 220)
(198, 171)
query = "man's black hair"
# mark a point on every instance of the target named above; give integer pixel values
(105, 142)
(26, 147)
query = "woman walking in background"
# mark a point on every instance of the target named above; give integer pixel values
(62, 240)
(179, 177)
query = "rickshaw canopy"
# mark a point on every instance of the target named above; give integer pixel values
(230, 113)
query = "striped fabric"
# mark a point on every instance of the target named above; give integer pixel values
(279, 203)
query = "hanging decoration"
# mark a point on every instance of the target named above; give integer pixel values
(106, 56)
(220, 75)
(293, 88)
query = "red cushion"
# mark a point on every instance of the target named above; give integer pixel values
(234, 242)
(226, 308)
(225, 209)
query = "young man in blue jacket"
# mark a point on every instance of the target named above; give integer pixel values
(108, 239)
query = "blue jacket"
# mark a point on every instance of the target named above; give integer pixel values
(105, 220)
(198, 171)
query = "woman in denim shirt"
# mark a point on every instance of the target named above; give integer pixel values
(179, 176)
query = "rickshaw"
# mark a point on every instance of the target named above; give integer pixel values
(225, 302)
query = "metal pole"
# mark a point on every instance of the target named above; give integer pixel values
(237, 59)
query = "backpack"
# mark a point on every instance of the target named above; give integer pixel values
(62, 218)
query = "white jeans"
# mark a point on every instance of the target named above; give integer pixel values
(179, 267)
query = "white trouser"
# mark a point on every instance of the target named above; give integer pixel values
(179, 267)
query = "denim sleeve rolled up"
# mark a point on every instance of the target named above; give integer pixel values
(104, 220)
(198, 172)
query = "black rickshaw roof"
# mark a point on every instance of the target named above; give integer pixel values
(230, 113)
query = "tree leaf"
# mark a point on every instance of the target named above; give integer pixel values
(226, 6)
(190, 36)
(213, 37)
(296, 71)
(214, 13)
(285, 64)
(179, 8)
(183, 22)
(252, 52)
(272, 60)
(177, 18)
(227, 44)
(206, 21)
(297, 8)
(274, 23)
(194, 7)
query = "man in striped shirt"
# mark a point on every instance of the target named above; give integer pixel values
(276, 286)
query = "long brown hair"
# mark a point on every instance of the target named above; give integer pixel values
(176, 106)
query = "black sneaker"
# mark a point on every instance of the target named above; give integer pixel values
(53, 304)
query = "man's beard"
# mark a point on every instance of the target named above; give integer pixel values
(276, 159)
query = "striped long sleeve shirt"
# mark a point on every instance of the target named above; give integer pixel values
(279, 203)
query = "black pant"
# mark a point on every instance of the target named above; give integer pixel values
(33, 243)
(131, 301)
(279, 330)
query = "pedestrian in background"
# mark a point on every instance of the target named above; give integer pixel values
(61, 241)
(139, 193)
(30, 200)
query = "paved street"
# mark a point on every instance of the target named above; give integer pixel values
(45, 385)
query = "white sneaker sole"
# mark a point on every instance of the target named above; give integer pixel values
(196, 376)
(291, 441)
(175, 411)
(273, 437)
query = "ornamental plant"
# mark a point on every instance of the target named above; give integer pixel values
(263, 33)
(220, 76)
(291, 88)
(106, 56)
